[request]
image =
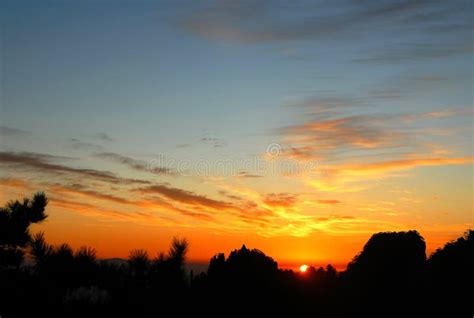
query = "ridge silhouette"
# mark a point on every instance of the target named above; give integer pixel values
(391, 276)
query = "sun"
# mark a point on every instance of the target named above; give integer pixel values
(304, 268)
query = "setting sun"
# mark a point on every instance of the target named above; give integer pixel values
(304, 268)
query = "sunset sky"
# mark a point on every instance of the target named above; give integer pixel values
(296, 127)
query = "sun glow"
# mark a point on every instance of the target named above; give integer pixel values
(303, 268)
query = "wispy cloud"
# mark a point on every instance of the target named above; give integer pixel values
(214, 142)
(408, 52)
(330, 202)
(103, 137)
(78, 144)
(264, 21)
(184, 196)
(330, 131)
(356, 177)
(280, 199)
(41, 163)
(135, 164)
(13, 132)
(403, 164)
(245, 174)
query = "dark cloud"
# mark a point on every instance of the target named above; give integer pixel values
(134, 163)
(77, 144)
(215, 142)
(245, 174)
(412, 52)
(230, 196)
(89, 209)
(285, 23)
(186, 197)
(277, 21)
(103, 137)
(13, 132)
(243, 209)
(41, 162)
(81, 189)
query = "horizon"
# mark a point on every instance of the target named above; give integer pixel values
(299, 129)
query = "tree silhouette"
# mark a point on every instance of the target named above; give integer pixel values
(390, 268)
(177, 253)
(85, 255)
(40, 250)
(168, 270)
(15, 219)
(449, 273)
(138, 261)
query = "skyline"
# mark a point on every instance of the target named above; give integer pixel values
(123, 113)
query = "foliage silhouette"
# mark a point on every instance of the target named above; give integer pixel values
(15, 219)
(390, 266)
(450, 271)
(390, 276)
(138, 261)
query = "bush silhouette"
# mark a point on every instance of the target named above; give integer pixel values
(138, 261)
(15, 219)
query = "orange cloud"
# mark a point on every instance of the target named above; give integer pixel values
(184, 196)
(329, 201)
(384, 166)
(280, 199)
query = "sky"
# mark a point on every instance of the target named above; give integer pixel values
(299, 128)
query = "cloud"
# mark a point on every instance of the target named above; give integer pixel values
(186, 197)
(328, 131)
(354, 177)
(327, 135)
(214, 142)
(93, 210)
(412, 52)
(270, 22)
(347, 143)
(241, 209)
(80, 189)
(230, 196)
(384, 166)
(280, 199)
(41, 162)
(13, 132)
(103, 137)
(77, 144)
(14, 183)
(331, 202)
(134, 163)
(152, 204)
(244, 174)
